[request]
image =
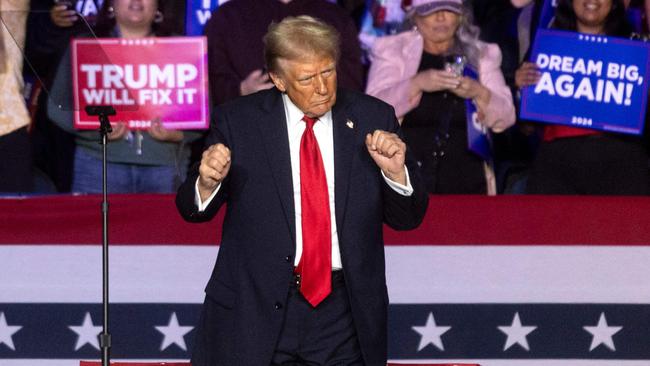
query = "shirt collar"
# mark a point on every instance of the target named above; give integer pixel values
(294, 114)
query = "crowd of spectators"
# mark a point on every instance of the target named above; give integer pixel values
(408, 71)
(153, 160)
(583, 161)
(395, 50)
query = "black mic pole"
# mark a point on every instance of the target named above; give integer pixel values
(104, 129)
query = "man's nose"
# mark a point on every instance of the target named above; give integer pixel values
(321, 86)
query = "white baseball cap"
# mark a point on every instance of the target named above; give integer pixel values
(426, 7)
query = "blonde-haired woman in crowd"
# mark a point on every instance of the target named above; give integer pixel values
(408, 71)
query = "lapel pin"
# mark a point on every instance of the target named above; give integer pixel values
(350, 124)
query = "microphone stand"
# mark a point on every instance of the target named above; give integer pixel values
(104, 129)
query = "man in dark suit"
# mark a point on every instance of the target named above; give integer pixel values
(309, 173)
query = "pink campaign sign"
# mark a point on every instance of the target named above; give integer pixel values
(143, 79)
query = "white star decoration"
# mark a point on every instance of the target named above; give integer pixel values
(516, 333)
(431, 333)
(174, 333)
(87, 333)
(6, 331)
(602, 334)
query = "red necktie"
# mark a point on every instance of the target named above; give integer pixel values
(315, 266)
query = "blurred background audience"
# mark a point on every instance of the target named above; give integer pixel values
(574, 160)
(636, 14)
(50, 26)
(407, 48)
(15, 152)
(382, 17)
(152, 161)
(408, 71)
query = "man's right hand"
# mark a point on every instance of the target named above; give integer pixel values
(215, 164)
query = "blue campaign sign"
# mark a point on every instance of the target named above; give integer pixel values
(197, 13)
(478, 138)
(589, 81)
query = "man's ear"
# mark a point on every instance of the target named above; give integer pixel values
(278, 81)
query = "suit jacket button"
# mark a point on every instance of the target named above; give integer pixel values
(278, 306)
(287, 258)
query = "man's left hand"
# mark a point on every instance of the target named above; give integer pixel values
(389, 152)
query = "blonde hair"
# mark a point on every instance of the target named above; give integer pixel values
(296, 37)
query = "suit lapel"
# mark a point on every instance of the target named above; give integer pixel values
(344, 132)
(273, 134)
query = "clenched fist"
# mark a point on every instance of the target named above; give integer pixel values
(389, 153)
(215, 164)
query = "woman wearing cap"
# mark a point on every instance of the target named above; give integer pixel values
(408, 71)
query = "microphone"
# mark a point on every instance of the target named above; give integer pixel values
(100, 110)
(103, 111)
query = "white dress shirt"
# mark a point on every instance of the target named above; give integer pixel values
(324, 135)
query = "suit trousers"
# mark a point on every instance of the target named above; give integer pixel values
(320, 336)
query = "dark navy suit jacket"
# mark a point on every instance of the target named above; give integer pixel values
(250, 281)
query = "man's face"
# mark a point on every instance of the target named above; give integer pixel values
(310, 83)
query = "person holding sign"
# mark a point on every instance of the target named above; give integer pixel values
(309, 172)
(153, 160)
(409, 71)
(573, 160)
